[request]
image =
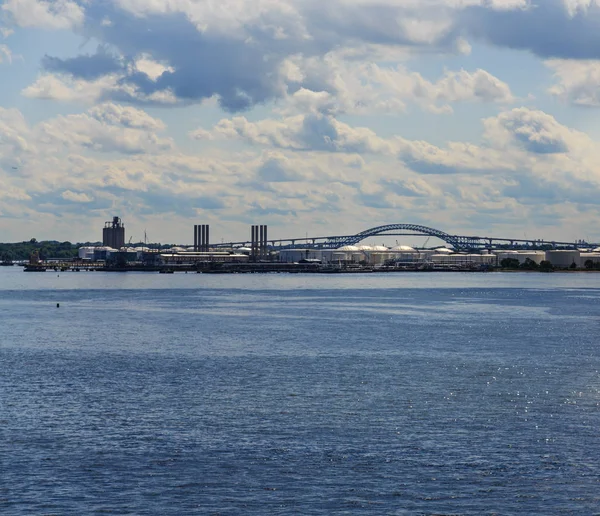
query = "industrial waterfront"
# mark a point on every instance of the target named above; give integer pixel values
(332, 254)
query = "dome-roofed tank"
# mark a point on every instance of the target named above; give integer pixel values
(403, 249)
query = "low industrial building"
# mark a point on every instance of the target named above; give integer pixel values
(193, 258)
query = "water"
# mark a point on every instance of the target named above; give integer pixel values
(412, 393)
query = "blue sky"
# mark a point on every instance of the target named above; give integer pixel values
(470, 116)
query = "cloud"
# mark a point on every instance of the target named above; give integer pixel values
(240, 58)
(56, 14)
(5, 54)
(14, 133)
(549, 29)
(125, 116)
(534, 131)
(321, 133)
(89, 132)
(68, 195)
(461, 86)
(276, 168)
(335, 84)
(578, 82)
(105, 128)
(68, 89)
(305, 132)
(86, 67)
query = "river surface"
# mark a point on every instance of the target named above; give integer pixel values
(408, 393)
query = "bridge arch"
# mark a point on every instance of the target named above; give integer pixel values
(452, 240)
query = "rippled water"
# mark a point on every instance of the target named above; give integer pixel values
(291, 394)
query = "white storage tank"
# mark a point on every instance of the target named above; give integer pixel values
(590, 257)
(564, 259)
(86, 253)
(339, 257)
(535, 256)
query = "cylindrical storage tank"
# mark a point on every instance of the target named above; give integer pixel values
(594, 258)
(376, 258)
(86, 253)
(535, 256)
(426, 254)
(564, 259)
(339, 257)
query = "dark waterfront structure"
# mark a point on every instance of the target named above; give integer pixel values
(113, 234)
(258, 242)
(201, 238)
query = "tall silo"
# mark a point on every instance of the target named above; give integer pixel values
(113, 234)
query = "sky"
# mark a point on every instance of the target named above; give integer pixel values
(475, 117)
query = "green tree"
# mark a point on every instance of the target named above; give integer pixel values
(529, 265)
(510, 263)
(546, 266)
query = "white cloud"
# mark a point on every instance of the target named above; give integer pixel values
(125, 116)
(56, 14)
(337, 85)
(461, 86)
(62, 88)
(5, 54)
(87, 131)
(54, 87)
(306, 168)
(578, 82)
(153, 69)
(575, 7)
(68, 195)
(247, 48)
(319, 66)
(534, 131)
(305, 133)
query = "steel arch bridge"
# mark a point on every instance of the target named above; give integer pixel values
(453, 240)
(458, 242)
